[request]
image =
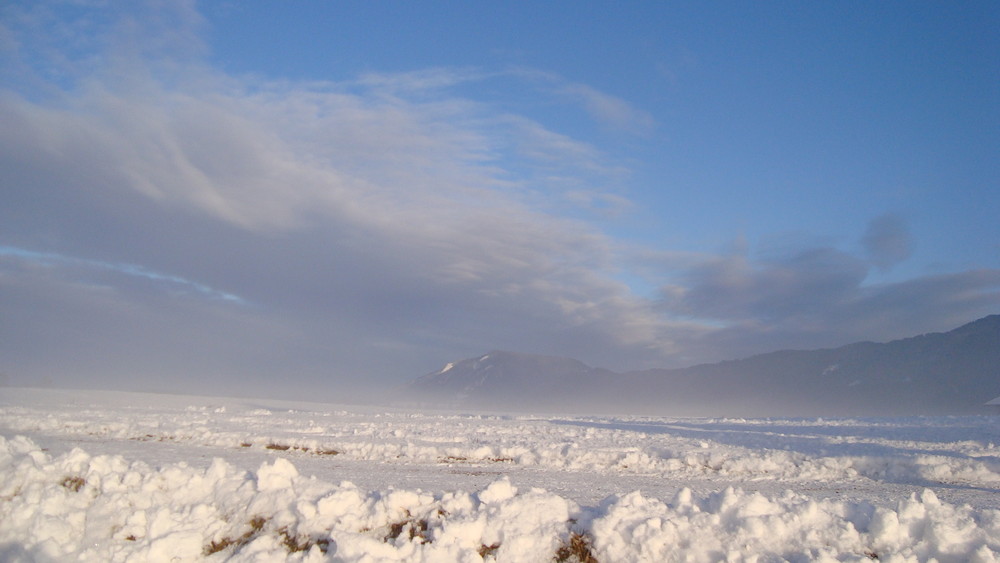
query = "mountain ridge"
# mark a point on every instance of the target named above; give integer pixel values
(953, 372)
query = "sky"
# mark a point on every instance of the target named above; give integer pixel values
(321, 199)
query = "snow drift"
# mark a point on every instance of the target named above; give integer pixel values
(128, 477)
(105, 508)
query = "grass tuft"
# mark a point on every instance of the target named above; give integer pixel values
(485, 550)
(576, 549)
(415, 529)
(462, 459)
(74, 483)
(303, 449)
(256, 525)
(296, 544)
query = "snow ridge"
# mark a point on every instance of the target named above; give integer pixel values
(83, 507)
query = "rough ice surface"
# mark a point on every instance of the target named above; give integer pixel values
(97, 476)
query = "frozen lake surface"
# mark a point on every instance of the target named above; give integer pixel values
(113, 476)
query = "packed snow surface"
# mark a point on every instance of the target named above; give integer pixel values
(102, 476)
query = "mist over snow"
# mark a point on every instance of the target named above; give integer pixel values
(183, 208)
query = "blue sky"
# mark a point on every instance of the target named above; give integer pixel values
(747, 115)
(217, 194)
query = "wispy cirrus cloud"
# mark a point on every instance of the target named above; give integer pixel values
(54, 260)
(609, 110)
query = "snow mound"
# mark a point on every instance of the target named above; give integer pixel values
(76, 506)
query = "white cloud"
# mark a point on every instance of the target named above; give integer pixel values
(375, 225)
(610, 110)
(408, 83)
(817, 298)
(381, 213)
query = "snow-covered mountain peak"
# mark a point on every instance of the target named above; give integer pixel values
(504, 375)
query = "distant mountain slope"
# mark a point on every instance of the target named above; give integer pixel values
(505, 379)
(940, 373)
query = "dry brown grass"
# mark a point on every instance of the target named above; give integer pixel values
(462, 459)
(304, 449)
(576, 549)
(415, 529)
(295, 544)
(485, 550)
(74, 483)
(152, 437)
(256, 525)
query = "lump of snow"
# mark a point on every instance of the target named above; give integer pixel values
(498, 491)
(276, 476)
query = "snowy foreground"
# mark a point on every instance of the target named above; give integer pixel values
(99, 476)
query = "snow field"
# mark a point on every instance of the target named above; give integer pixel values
(676, 448)
(207, 479)
(104, 508)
